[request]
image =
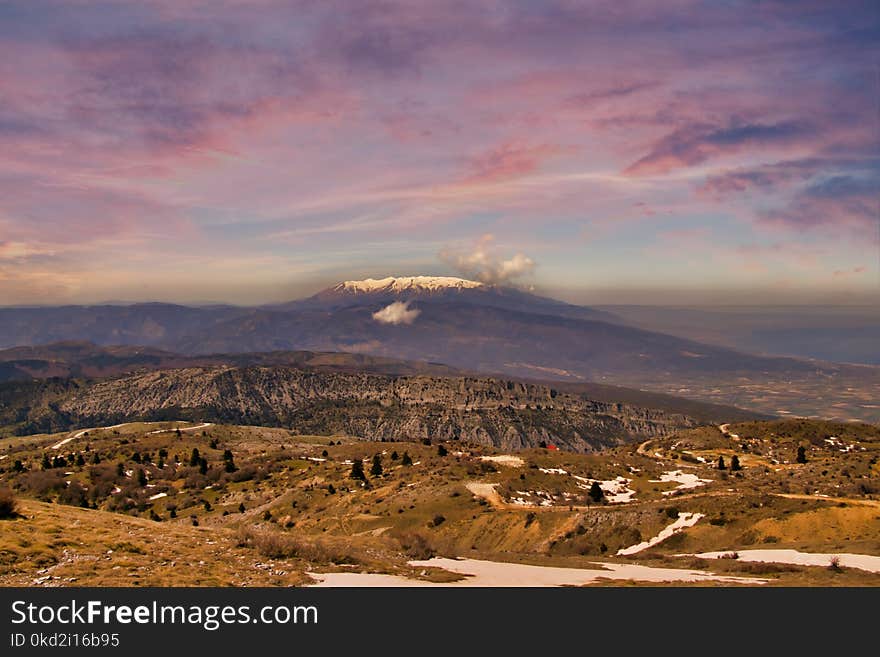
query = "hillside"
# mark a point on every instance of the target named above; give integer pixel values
(266, 506)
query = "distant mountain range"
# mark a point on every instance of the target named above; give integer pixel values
(463, 324)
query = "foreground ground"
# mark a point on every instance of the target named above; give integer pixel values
(136, 505)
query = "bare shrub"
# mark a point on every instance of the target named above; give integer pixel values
(43, 482)
(8, 504)
(278, 545)
(417, 546)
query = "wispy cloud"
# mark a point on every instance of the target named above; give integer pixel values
(306, 130)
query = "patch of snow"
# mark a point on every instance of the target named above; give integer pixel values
(684, 520)
(553, 471)
(867, 562)
(505, 459)
(685, 480)
(617, 490)
(157, 496)
(499, 574)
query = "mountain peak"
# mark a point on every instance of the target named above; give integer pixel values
(407, 283)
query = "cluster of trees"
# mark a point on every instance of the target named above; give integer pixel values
(59, 461)
(376, 468)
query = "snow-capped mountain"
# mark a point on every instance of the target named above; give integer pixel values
(376, 292)
(398, 284)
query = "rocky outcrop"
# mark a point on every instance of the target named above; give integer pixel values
(503, 413)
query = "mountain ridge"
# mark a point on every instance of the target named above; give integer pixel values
(484, 328)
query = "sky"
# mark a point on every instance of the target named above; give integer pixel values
(602, 152)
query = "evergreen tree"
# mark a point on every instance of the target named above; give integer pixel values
(734, 464)
(47, 464)
(357, 470)
(203, 466)
(229, 462)
(96, 459)
(376, 469)
(241, 508)
(596, 493)
(441, 450)
(136, 457)
(331, 489)
(406, 460)
(120, 469)
(394, 456)
(80, 461)
(18, 466)
(721, 465)
(141, 477)
(194, 458)
(801, 454)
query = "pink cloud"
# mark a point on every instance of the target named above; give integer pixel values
(509, 161)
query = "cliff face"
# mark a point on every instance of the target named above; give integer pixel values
(503, 413)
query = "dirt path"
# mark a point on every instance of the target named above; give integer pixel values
(203, 425)
(820, 498)
(724, 430)
(488, 493)
(83, 432)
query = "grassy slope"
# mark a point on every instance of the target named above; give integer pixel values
(309, 514)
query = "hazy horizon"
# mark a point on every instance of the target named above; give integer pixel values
(707, 299)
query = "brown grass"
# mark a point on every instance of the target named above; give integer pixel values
(278, 545)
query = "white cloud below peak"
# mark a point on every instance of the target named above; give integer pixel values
(397, 313)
